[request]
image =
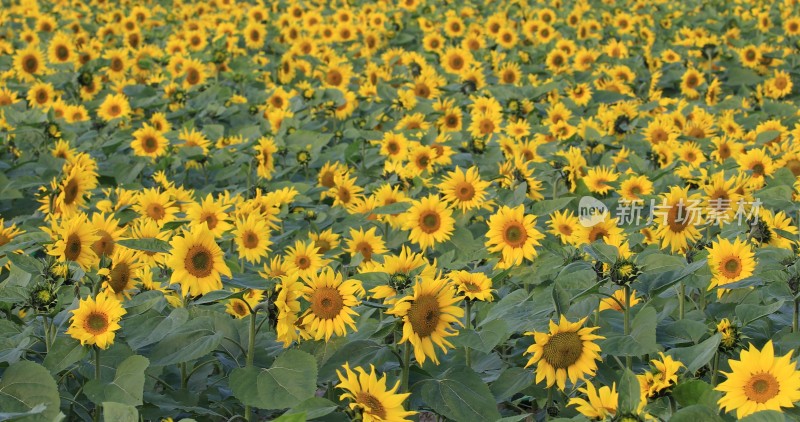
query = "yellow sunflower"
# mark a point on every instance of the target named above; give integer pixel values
(75, 187)
(428, 316)
(197, 262)
(464, 189)
(601, 404)
(566, 351)
(430, 221)
(760, 381)
(210, 213)
(287, 302)
(149, 142)
(513, 233)
(96, 320)
(730, 262)
(366, 243)
(29, 63)
(113, 107)
(677, 222)
(155, 205)
(73, 241)
(251, 235)
(474, 286)
(332, 300)
(304, 258)
(370, 395)
(120, 278)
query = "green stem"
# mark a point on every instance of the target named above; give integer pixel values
(251, 348)
(715, 370)
(681, 300)
(406, 368)
(627, 319)
(97, 377)
(795, 315)
(47, 333)
(548, 403)
(468, 325)
(184, 378)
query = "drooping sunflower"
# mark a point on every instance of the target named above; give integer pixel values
(430, 221)
(149, 142)
(601, 404)
(428, 315)
(251, 235)
(366, 243)
(96, 320)
(74, 237)
(197, 261)
(474, 286)
(760, 381)
(513, 233)
(332, 300)
(369, 394)
(730, 262)
(567, 351)
(464, 189)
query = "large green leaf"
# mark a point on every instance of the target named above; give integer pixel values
(290, 380)
(26, 386)
(484, 339)
(119, 412)
(629, 393)
(193, 340)
(64, 352)
(461, 395)
(126, 387)
(696, 413)
(696, 356)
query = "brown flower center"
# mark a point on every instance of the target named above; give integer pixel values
(71, 191)
(30, 64)
(104, 245)
(250, 240)
(372, 404)
(72, 251)
(762, 387)
(199, 261)
(96, 323)
(119, 277)
(326, 302)
(731, 267)
(514, 234)
(465, 191)
(424, 315)
(563, 350)
(429, 221)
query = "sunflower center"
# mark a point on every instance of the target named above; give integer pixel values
(672, 219)
(239, 308)
(563, 350)
(762, 387)
(327, 179)
(334, 77)
(119, 277)
(758, 169)
(210, 219)
(429, 221)
(150, 144)
(199, 261)
(192, 76)
(73, 249)
(424, 315)
(114, 110)
(250, 240)
(71, 191)
(326, 303)
(156, 212)
(303, 262)
(456, 62)
(116, 64)
(323, 245)
(373, 405)
(731, 268)
(62, 53)
(30, 64)
(105, 245)
(465, 191)
(793, 165)
(514, 234)
(365, 249)
(96, 323)
(344, 195)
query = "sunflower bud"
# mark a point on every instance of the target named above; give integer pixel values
(303, 157)
(624, 272)
(468, 87)
(399, 281)
(42, 299)
(478, 145)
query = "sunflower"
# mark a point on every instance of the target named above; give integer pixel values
(514, 234)
(304, 258)
(455, 60)
(636, 187)
(61, 49)
(563, 224)
(345, 191)
(366, 243)
(251, 235)
(566, 351)
(369, 395)
(464, 189)
(601, 404)
(428, 316)
(597, 179)
(194, 72)
(120, 278)
(730, 262)
(287, 302)
(663, 376)
(96, 320)
(73, 241)
(197, 261)
(758, 162)
(41, 95)
(148, 229)
(676, 226)
(210, 213)
(332, 300)
(760, 381)
(394, 146)
(473, 286)
(108, 231)
(149, 142)
(74, 189)
(113, 107)
(155, 205)
(616, 301)
(29, 63)
(430, 221)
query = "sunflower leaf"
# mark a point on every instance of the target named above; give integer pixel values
(629, 393)
(150, 244)
(26, 387)
(291, 380)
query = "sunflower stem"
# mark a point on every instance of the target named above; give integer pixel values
(548, 403)
(467, 325)
(715, 369)
(795, 315)
(47, 332)
(406, 368)
(251, 348)
(681, 301)
(627, 319)
(97, 377)
(184, 378)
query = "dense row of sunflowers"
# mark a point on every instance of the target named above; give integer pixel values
(382, 212)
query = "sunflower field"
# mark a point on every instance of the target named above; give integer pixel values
(422, 210)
